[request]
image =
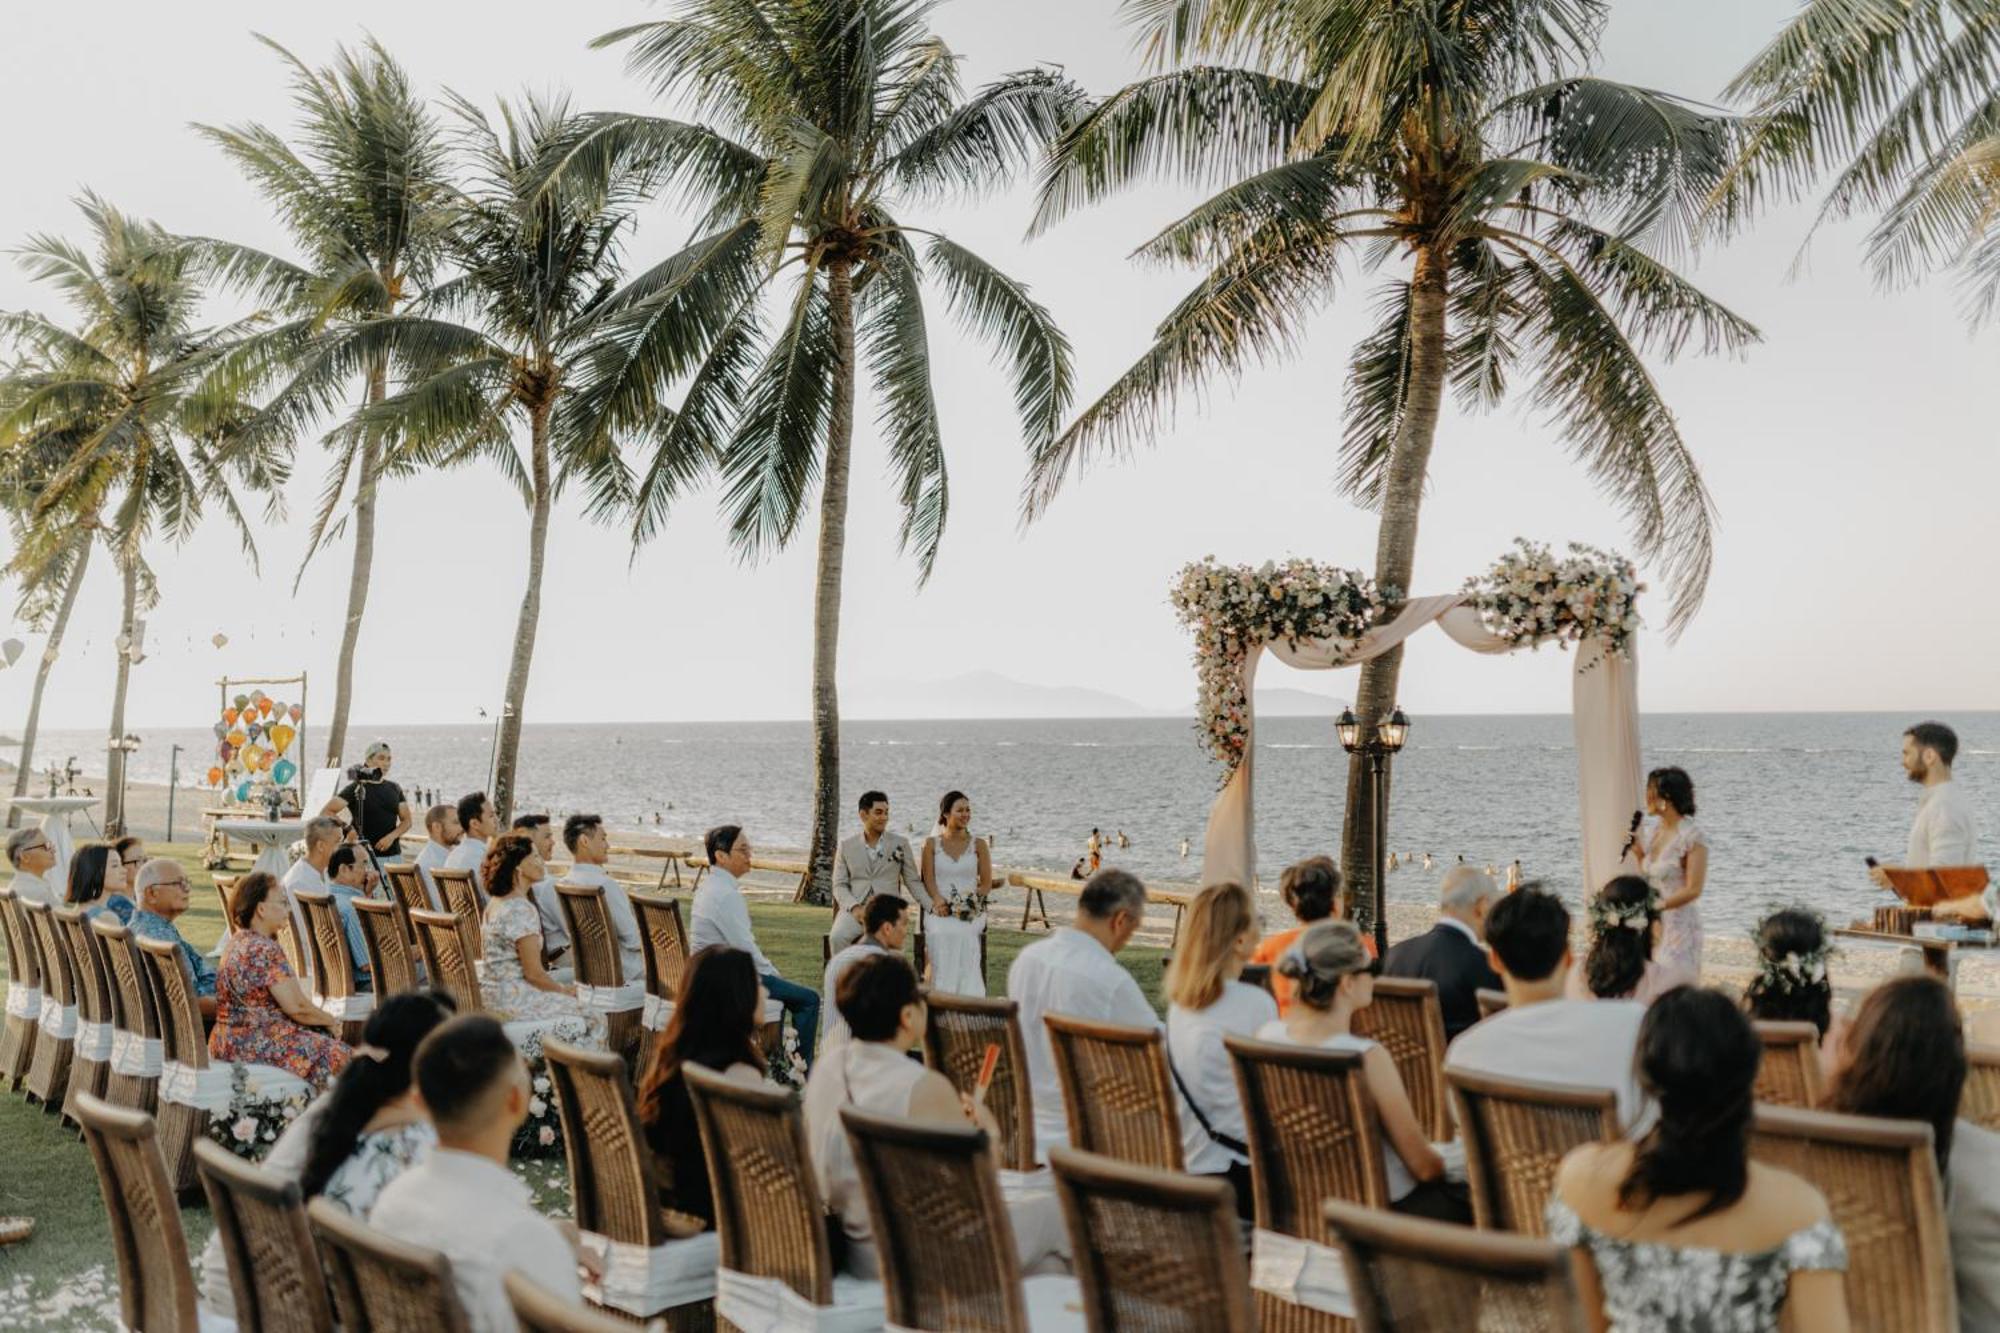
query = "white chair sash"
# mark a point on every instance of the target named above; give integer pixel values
(93, 1041)
(58, 1021)
(612, 999)
(208, 1089)
(1300, 1272)
(1055, 1305)
(24, 1001)
(518, 1030)
(134, 1056)
(346, 1008)
(658, 1013)
(643, 1282)
(767, 1305)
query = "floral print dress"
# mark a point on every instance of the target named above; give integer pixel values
(508, 993)
(1681, 934)
(377, 1159)
(250, 1028)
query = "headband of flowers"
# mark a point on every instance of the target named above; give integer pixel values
(1624, 916)
(1794, 971)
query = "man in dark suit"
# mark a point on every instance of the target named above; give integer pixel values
(1453, 954)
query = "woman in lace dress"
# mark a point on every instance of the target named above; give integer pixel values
(515, 983)
(1681, 1232)
(958, 874)
(1673, 855)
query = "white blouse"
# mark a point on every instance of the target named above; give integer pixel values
(1194, 1044)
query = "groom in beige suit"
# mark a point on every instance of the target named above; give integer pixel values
(872, 861)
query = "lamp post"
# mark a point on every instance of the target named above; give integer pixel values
(128, 745)
(1390, 733)
(173, 784)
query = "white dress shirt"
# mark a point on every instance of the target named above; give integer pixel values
(483, 1219)
(302, 875)
(722, 917)
(434, 856)
(1068, 973)
(467, 856)
(1194, 1043)
(555, 930)
(1574, 1043)
(1972, 1219)
(835, 1028)
(624, 922)
(1945, 831)
(31, 888)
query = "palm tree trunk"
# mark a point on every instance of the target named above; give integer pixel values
(1395, 553)
(531, 616)
(826, 598)
(42, 670)
(114, 796)
(358, 576)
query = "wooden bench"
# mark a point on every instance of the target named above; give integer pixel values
(1035, 886)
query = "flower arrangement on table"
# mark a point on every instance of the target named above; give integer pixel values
(254, 1120)
(1531, 597)
(1234, 608)
(540, 1135)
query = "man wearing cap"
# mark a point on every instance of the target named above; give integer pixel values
(374, 804)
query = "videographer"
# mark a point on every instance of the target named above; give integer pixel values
(374, 804)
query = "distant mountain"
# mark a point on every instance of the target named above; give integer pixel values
(1282, 702)
(982, 694)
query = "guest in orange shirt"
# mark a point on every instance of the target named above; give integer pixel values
(1311, 888)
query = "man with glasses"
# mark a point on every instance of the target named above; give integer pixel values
(131, 850)
(162, 891)
(33, 856)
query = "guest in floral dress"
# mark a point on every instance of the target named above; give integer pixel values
(516, 984)
(262, 1015)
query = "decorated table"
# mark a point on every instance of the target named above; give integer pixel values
(56, 812)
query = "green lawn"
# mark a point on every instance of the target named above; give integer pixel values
(66, 1277)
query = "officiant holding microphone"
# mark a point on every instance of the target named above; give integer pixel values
(1945, 832)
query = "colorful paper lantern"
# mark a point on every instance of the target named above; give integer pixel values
(281, 736)
(296, 712)
(284, 771)
(229, 716)
(219, 640)
(242, 701)
(215, 777)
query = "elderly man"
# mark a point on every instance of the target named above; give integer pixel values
(347, 876)
(589, 849)
(162, 894)
(323, 834)
(871, 862)
(479, 821)
(883, 931)
(443, 833)
(1453, 952)
(32, 855)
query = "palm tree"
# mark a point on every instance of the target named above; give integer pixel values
(1896, 99)
(1524, 211)
(829, 120)
(133, 414)
(361, 197)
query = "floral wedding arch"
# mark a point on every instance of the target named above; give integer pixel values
(1317, 617)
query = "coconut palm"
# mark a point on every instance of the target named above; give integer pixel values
(1523, 211)
(132, 414)
(1899, 101)
(828, 121)
(360, 193)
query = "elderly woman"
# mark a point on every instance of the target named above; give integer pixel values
(262, 1016)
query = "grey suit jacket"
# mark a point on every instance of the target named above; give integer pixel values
(893, 868)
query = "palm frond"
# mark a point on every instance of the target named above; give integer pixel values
(896, 343)
(1378, 391)
(773, 458)
(987, 139)
(997, 309)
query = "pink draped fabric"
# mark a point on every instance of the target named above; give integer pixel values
(1604, 701)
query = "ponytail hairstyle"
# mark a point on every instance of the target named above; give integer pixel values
(1904, 1058)
(1324, 953)
(1697, 1058)
(1622, 917)
(1791, 984)
(379, 1073)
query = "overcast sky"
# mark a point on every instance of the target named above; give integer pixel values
(1852, 455)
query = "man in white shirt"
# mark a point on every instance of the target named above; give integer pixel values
(1945, 831)
(479, 822)
(33, 856)
(323, 833)
(463, 1200)
(442, 827)
(882, 922)
(1074, 972)
(1543, 1037)
(589, 848)
(871, 862)
(555, 930)
(721, 916)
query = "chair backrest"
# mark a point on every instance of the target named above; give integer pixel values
(593, 944)
(940, 1224)
(538, 1311)
(326, 937)
(384, 1285)
(260, 1221)
(663, 939)
(225, 889)
(181, 1036)
(1490, 1002)
(1117, 1091)
(1312, 1133)
(1516, 1134)
(1407, 1020)
(461, 900)
(769, 1216)
(1980, 1102)
(443, 947)
(58, 973)
(406, 887)
(132, 1008)
(93, 988)
(611, 1181)
(1788, 1074)
(155, 1285)
(383, 935)
(1407, 1275)
(1880, 1180)
(960, 1029)
(1154, 1249)
(22, 965)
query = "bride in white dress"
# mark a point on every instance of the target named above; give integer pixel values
(958, 874)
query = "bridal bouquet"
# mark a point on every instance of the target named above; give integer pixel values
(1531, 597)
(968, 908)
(253, 1121)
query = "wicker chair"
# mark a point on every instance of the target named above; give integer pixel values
(183, 1121)
(539, 1312)
(1155, 1250)
(462, 900)
(1490, 1002)
(407, 889)
(55, 1044)
(449, 966)
(136, 1050)
(1880, 1180)
(1516, 1134)
(1407, 1275)
(383, 1285)
(1117, 1091)
(24, 994)
(601, 983)
(1407, 1020)
(960, 1029)
(663, 940)
(225, 889)
(91, 1066)
(1981, 1101)
(1788, 1075)
(274, 1270)
(613, 1190)
(333, 965)
(155, 1285)
(391, 951)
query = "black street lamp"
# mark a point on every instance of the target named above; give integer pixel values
(1390, 733)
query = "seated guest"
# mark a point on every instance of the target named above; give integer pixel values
(1542, 1036)
(721, 916)
(323, 833)
(33, 856)
(1208, 1004)
(441, 834)
(1453, 952)
(589, 848)
(1792, 985)
(162, 892)
(97, 883)
(884, 1009)
(515, 985)
(362, 1133)
(716, 1019)
(262, 1017)
(1681, 1232)
(883, 927)
(1311, 889)
(347, 877)
(131, 850)
(542, 892)
(1903, 1058)
(463, 1200)
(1624, 932)
(480, 821)
(1074, 972)
(1336, 978)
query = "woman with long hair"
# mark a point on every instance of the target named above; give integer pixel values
(958, 874)
(1624, 931)
(717, 1014)
(1681, 1232)
(516, 984)
(1792, 984)
(98, 882)
(1673, 856)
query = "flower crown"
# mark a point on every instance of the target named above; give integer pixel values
(1794, 971)
(1624, 916)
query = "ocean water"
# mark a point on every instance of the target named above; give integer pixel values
(1791, 802)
